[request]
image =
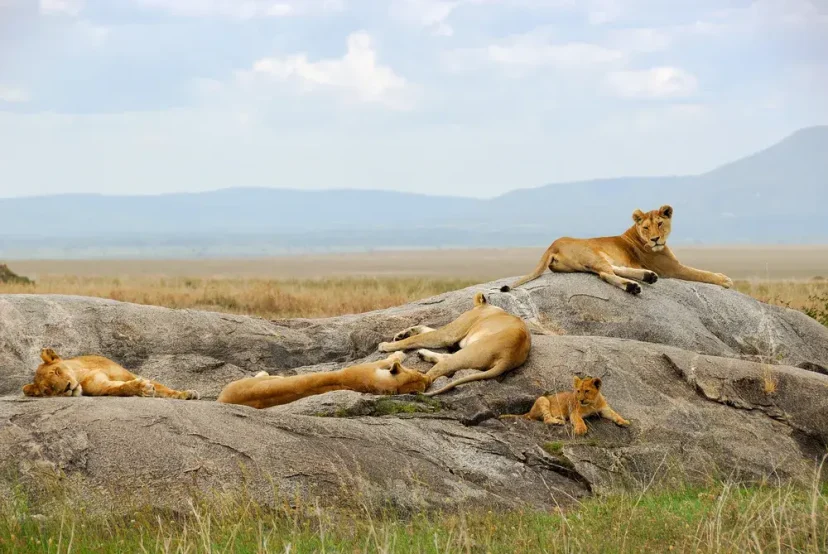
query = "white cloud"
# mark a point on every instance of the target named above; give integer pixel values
(242, 9)
(533, 50)
(658, 82)
(427, 13)
(642, 39)
(91, 33)
(61, 7)
(357, 74)
(603, 11)
(567, 54)
(13, 95)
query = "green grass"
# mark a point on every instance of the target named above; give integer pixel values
(390, 406)
(722, 518)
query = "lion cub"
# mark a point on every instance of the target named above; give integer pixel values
(584, 401)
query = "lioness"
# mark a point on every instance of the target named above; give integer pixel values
(584, 401)
(640, 253)
(93, 376)
(490, 339)
(386, 376)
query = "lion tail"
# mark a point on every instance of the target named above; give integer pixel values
(514, 416)
(543, 264)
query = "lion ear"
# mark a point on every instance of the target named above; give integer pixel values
(480, 299)
(638, 216)
(576, 381)
(597, 383)
(396, 367)
(666, 211)
(48, 355)
(31, 390)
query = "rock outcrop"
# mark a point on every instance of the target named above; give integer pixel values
(716, 384)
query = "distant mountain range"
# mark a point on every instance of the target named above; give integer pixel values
(778, 195)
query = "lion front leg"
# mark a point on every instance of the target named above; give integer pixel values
(102, 386)
(612, 415)
(162, 391)
(692, 274)
(578, 423)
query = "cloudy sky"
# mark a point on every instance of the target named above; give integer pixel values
(464, 97)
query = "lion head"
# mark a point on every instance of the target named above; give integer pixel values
(587, 390)
(654, 227)
(53, 378)
(408, 380)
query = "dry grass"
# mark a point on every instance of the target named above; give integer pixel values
(793, 294)
(265, 298)
(284, 298)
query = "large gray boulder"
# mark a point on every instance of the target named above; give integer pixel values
(716, 384)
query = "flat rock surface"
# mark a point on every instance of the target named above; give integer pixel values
(708, 377)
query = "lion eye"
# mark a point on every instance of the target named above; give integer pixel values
(646, 227)
(660, 223)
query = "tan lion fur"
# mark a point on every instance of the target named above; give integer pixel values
(584, 401)
(93, 376)
(641, 253)
(490, 339)
(386, 376)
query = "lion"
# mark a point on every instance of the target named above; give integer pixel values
(490, 339)
(641, 253)
(386, 376)
(584, 401)
(93, 376)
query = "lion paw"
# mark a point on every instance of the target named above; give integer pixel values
(632, 288)
(650, 277)
(191, 395)
(580, 429)
(142, 387)
(427, 356)
(553, 421)
(385, 347)
(399, 356)
(727, 282)
(622, 422)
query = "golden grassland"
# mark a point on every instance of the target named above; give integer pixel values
(271, 299)
(283, 298)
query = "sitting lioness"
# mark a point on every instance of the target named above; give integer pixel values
(93, 376)
(490, 339)
(584, 401)
(386, 376)
(640, 253)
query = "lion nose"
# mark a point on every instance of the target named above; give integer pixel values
(655, 239)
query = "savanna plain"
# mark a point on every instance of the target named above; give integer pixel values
(723, 516)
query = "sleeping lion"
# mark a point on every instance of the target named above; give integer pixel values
(93, 376)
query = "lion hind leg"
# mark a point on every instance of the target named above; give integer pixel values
(542, 410)
(639, 274)
(411, 331)
(445, 336)
(498, 369)
(475, 356)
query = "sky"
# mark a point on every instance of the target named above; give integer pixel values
(459, 97)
